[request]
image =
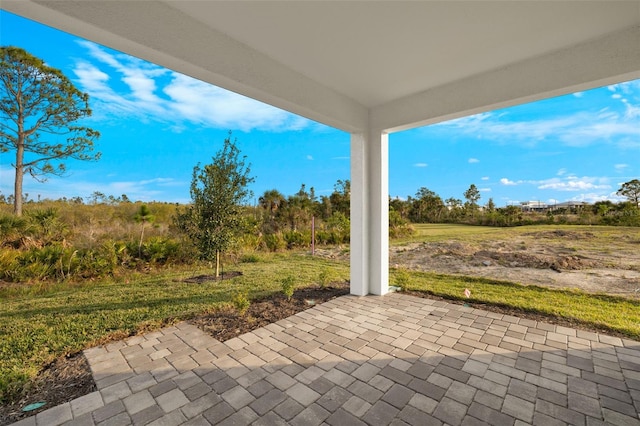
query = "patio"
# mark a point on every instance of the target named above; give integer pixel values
(374, 360)
(370, 69)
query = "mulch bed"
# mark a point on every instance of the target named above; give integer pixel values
(199, 279)
(66, 378)
(226, 324)
(70, 377)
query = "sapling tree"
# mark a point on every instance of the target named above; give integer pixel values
(39, 111)
(144, 217)
(214, 220)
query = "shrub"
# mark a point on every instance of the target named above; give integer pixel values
(241, 302)
(399, 227)
(40, 263)
(11, 228)
(339, 228)
(331, 237)
(55, 262)
(288, 285)
(402, 279)
(249, 258)
(157, 250)
(161, 250)
(274, 242)
(45, 225)
(324, 277)
(296, 239)
(251, 241)
(8, 264)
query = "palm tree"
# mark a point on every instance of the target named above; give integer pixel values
(271, 200)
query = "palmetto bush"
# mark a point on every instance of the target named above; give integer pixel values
(55, 262)
(160, 251)
(11, 229)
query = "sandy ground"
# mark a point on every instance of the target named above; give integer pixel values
(579, 259)
(560, 259)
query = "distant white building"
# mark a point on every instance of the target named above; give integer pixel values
(540, 206)
(569, 205)
(533, 206)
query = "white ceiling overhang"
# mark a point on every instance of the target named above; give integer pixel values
(369, 64)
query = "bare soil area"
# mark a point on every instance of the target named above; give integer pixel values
(578, 259)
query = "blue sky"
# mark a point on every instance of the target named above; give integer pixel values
(157, 124)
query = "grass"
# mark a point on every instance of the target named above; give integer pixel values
(41, 323)
(594, 310)
(439, 232)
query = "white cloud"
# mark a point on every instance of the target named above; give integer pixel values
(123, 85)
(593, 197)
(341, 158)
(74, 186)
(309, 157)
(618, 124)
(201, 103)
(484, 178)
(159, 182)
(484, 189)
(578, 94)
(420, 165)
(621, 167)
(507, 182)
(628, 87)
(633, 111)
(473, 160)
(573, 183)
(562, 172)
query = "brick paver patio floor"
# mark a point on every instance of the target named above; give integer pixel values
(370, 360)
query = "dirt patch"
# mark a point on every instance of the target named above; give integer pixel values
(555, 262)
(199, 279)
(562, 233)
(581, 260)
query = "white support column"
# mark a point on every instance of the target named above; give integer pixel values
(359, 251)
(369, 213)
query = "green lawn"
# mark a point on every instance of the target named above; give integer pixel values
(38, 324)
(592, 310)
(41, 322)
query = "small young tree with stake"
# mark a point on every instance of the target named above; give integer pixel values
(214, 220)
(144, 217)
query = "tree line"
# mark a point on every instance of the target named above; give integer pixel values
(428, 207)
(39, 113)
